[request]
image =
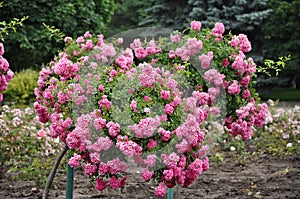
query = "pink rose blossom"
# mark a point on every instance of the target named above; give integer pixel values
(169, 109)
(100, 184)
(196, 25)
(74, 161)
(160, 190)
(234, 88)
(225, 62)
(147, 175)
(172, 54)
(165, 94)
(175, 38)
(151, 144)
(89, 169)
(206, 59)
(218, 31)
(246, 94)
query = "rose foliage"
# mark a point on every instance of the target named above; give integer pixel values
(149, 102)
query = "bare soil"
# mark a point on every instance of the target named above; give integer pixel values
(261, 177)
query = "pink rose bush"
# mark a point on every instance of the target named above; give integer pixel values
(6, 74)
(150, 102)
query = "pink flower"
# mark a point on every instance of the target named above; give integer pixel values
(147, 175)
(89, 169)
(74, 161)
(165, 135)
(42, 133)
(172, 54)
(113, 73)
(165, 94)
(160, 190)
(172, 84)
(218, 31)
(202, 97)
(114, 182)
(194, 46)
(182, 162)
(95, 157)
(150, 161)
(169, 109)
(140, 52)
(246, 94)
(116, 165)
(147, 78)
(225, 62)
(170, 160)
(147, 98)
(133, 105)
(183, 53)
(243, 42)
(146, 127)
(128, 147)
(105, 103)
(175, 38)
(1, 49)
(151, 144)
(87, 34)
(100, 184)
(206, 59)
(99, 124)
(214, 76)
(239, 64)
(120, 40)
(234, 88)
(182, 147)
(108, 50)
(245, 81)
(102, 143)
(80, 40)
(103, 168)
(113, 129)
(168, 175)
(196, 25)
(285, 136)
(205, 164)
(176, 101)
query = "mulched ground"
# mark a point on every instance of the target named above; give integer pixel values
(262, 177)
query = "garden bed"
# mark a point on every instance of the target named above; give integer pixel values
(261, 177)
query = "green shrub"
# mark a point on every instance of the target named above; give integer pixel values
(21, 89)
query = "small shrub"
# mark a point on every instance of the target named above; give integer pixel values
(21, 89)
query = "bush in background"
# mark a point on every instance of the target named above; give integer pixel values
(21, 89)
(32, 45)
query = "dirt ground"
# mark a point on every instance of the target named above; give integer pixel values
(262, 177)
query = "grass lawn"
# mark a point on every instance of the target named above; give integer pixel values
(283, 94)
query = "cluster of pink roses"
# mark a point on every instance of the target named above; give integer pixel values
(154, 121)
(6, 74)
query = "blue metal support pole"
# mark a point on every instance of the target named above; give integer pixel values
(170, 193)
(70, 183)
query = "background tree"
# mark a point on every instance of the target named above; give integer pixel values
(31, 45)
(128, 14)
(282, 28)
(237, 15)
